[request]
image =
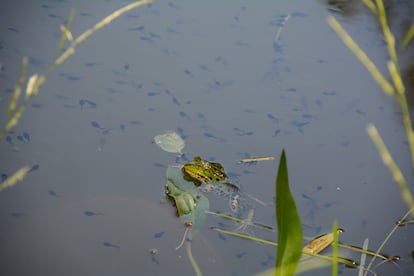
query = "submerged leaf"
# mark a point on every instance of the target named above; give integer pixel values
(184, 201)
(288, 224)
(191, 205)
(170, 142)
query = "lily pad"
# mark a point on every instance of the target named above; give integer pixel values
(170, 142)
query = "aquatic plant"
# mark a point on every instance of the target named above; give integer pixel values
(288, 223)
(191, 207)
(396, 89)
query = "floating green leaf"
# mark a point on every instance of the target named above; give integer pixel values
(170, 142)
(191, 205)
(288, 223)
(184, 201)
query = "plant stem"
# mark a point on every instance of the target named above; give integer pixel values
(190, 256)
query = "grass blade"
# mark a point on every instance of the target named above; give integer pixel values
(288, 223)
(243, 236)
(12, 180)
(18, 88)
(66, 34)
(335, 243)
(370, 4)
(365, 60)
(408, 37)
(389, 162)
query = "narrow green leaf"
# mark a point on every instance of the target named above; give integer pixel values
(66, 35)
(288, 223)
(12, 180)
(18, 88)
(408, 36)
(363, 58)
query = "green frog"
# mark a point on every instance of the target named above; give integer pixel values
(211, 177)
(202, 171)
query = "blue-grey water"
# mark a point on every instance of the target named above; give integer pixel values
(235, 79)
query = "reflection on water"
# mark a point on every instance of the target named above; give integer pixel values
(246, 82)
(67, 240)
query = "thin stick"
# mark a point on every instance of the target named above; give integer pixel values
(363, 257)
(364, 251)
(386, 240)
(255, 159)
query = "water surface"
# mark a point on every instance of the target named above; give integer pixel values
(235, 80)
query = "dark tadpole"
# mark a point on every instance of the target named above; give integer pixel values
(122, 127)
(35, 167)
(108, 244)
(53, 193)
(26, 137)
(159, 234)
(96, 125)
(91, 213)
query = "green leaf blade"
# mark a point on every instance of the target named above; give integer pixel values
(288, 222)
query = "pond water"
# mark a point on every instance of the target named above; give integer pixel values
(235, 80)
